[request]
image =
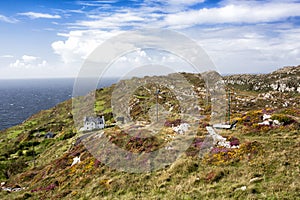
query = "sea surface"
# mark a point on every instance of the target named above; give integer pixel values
(20, 99)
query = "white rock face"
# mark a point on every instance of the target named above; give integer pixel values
(218, 139)
(266, 117)
(268, 121)
(278, 80)
(169, 148)
(265, 123)
(274, 86)
(268, 96)
(182, 128)
(276, 122)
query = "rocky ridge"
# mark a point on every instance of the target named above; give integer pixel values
(286, 79)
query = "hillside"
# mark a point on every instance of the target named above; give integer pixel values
(265, 166)
(286, 79)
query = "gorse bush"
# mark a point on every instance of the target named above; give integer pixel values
(25, 144)
(224, 156)
(12, 167)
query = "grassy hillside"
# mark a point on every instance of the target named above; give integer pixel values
(265, 166)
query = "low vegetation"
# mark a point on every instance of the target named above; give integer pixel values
(265, 166)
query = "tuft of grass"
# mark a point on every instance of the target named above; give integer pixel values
(14, 133)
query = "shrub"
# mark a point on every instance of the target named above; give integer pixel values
(175, 122)
(30, 153)
(234, 141)
(26, 196)
(47, 188)
(97, 163)
(67, 135)
(25, 144)
(282, 119)
(250, 149)
(12, 167)
(139, 144)
(221, 155)
(214, 176)
(20, 153)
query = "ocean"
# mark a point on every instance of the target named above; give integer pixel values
(20, 99)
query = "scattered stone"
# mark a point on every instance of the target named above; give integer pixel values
(255, 180)
(12, 189)
(169, 148)
(75, 160)
(182, 128)
(271, 82)
(265, 123)
(276, 122)
(243, 188)
(266, 117)
(218, 139)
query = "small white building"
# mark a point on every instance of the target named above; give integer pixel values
(91, 123)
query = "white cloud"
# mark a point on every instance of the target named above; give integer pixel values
(170, 6)
(96, 3)
(7, 56)
(36, 15)
(147, 62)
(184, 2)
(29, 62)
(250, 49)
(79, 44)
(234, 13)
(7, 19)
(117, 20)
(29, 59)
(241, 37)
(167, 15)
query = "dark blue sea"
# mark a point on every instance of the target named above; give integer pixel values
(19, 99)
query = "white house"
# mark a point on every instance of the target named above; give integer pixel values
(91, 123)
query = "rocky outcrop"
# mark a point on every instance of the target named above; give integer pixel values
(286, 79)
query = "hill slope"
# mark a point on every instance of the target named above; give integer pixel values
(266, 164)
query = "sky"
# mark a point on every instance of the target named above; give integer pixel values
(52, 38)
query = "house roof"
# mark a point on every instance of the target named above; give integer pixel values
(96, 120)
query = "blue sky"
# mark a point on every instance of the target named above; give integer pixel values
(51, 38)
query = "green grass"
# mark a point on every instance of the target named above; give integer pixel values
(99, 106)
(275, 169)
(14, 133)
